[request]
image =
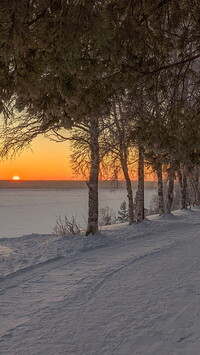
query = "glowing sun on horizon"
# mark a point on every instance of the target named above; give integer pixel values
(16, 178)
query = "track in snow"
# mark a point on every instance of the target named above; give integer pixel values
(138, 296)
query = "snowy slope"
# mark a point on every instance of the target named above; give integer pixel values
(129, 290)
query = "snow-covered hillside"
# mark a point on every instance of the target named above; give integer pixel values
(129, 290)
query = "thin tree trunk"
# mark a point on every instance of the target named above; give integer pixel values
(184, 192)
(129, 190)
(184, 189)
(170, 193)
(123, 159)
(161, 209)
(92, 226)
(140, 191)
(197, 190)
(182, 176)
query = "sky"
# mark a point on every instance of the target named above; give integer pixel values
(46, 160)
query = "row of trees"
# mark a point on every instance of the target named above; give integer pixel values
(120, 76)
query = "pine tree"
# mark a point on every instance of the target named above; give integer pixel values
(122, 213)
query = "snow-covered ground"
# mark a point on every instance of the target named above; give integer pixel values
(127, 291)
(22, 211)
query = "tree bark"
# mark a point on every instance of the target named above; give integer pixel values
(140, 192)
(197, 190)
(182, 177)
(161, 209)
(170, 193)
(129, 191)
(184, 189)
(124, 160)
(92, 226)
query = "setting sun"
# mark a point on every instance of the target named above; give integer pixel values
(16, 177)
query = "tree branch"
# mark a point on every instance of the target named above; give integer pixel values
(29, 23)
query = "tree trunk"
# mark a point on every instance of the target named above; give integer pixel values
(92, 226)
(161, 209)
(123, 160)
(182, 176)
(170, 193)
(184, 189)
(129, 190)
(197, 190)
(140, 192)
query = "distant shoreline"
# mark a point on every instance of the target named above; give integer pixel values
(68, 184)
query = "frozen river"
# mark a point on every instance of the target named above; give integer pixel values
(35, 211)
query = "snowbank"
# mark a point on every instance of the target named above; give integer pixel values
(34, 249)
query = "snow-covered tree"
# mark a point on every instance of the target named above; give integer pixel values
(106, 216)
(63, 62)
(116, 145)
(123, 213)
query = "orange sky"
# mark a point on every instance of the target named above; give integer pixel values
(47, 161)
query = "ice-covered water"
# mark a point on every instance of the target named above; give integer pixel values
(35, 211)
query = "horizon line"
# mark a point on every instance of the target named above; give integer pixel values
(66, 180)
